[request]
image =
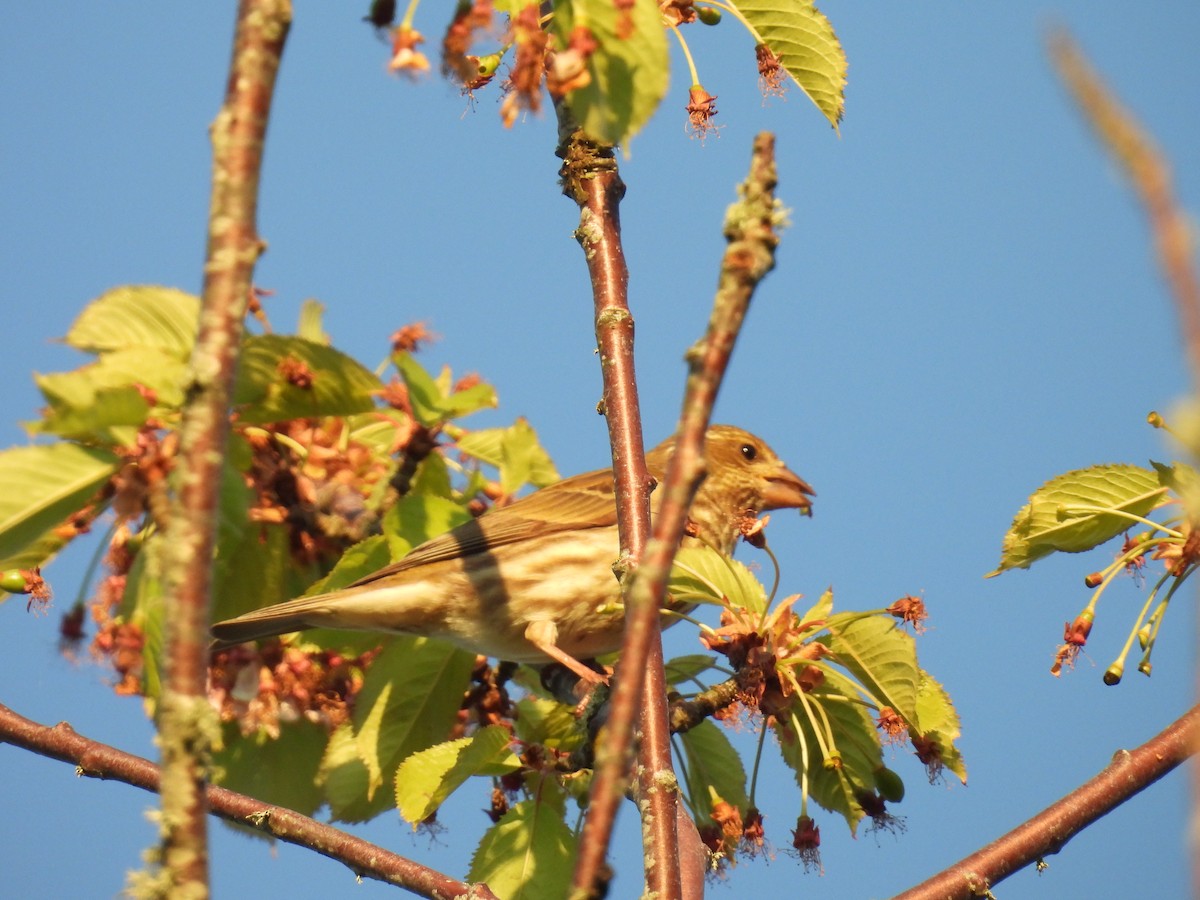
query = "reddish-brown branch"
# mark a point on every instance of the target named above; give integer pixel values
(365, 859)
(1128, 774)
(185, 722)
(590, 177)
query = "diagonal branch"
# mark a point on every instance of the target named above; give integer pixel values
(1129, 773)
(187, 726)
(366, 860)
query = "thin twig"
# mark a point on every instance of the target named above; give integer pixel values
(187, 725)
(1150, 175)
(1129, 773)
(364, 859)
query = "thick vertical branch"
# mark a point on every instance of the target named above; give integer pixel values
(590, 177)
(1129, 773)
(187, 727)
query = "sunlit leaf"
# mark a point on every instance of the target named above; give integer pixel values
(427, 778)
(416, 518)
(138, 315)
(937, 720)
(882, 656)
(338, 386)
(528, 854)
(41, 486)
(805, 44)
(702, 575)
(685, 668)
(831, 743)
(515, 452)
(408, 702)
(1078, 511)
(542, 721)
(628, 72)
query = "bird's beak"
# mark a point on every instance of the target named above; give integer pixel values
(787, 490)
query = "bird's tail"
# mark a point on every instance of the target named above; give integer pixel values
(283, 618)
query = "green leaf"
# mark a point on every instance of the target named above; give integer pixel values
(882, 656)
(515, 452)
(542, 721)
(937, 720)
(408, 702)
(138, 315)
(628, 74)
(41, 486)
(254, 571)
(688, 668)
(344, 781)
(804, 42)
(339, 385)
(712, 767)
(142, 607)
(424, 395)
(1078, 511)
(309, 327)
(426, 779)
(80, 410)
(847, 732)
(702, 575)
(529, 853)
(279, 770)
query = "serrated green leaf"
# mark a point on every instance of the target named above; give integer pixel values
(628, 73)
(528, 854)
(937, 720)
(80, 410)
(138, 315)
(1078, 511)
(702, 575)
(40, 486)
(515, 452)
(546, 722)
(426, 779)
(408, 702)
(339, 387)
(254, 569)
(821, 610)
(882, 656)
(833, 708)
(424, 395)
(279, 770)
(462, 403)
(142, 606)
(711, 766)
(804, 42)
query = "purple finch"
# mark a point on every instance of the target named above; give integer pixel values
(532, 582)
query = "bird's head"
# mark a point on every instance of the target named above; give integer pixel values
(744, 474)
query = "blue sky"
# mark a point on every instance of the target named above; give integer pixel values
(965, 305)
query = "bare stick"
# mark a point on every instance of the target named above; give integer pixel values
(366, 860)
(1150, 175)
(187, 725)
(1129, 773)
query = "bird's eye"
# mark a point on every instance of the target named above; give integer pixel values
(749, 451)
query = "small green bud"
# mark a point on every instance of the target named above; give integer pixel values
(12, 582)
(1112, 675)
(709, 15)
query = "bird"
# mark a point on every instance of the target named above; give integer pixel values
(532, 582)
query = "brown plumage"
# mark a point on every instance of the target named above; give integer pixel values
(532, 581)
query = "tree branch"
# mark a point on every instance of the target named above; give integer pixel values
(364, 859)
(1150, 176)
(1129, 773)
(187, 725)
(590, 177)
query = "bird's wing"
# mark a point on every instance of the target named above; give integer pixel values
(580, 502)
